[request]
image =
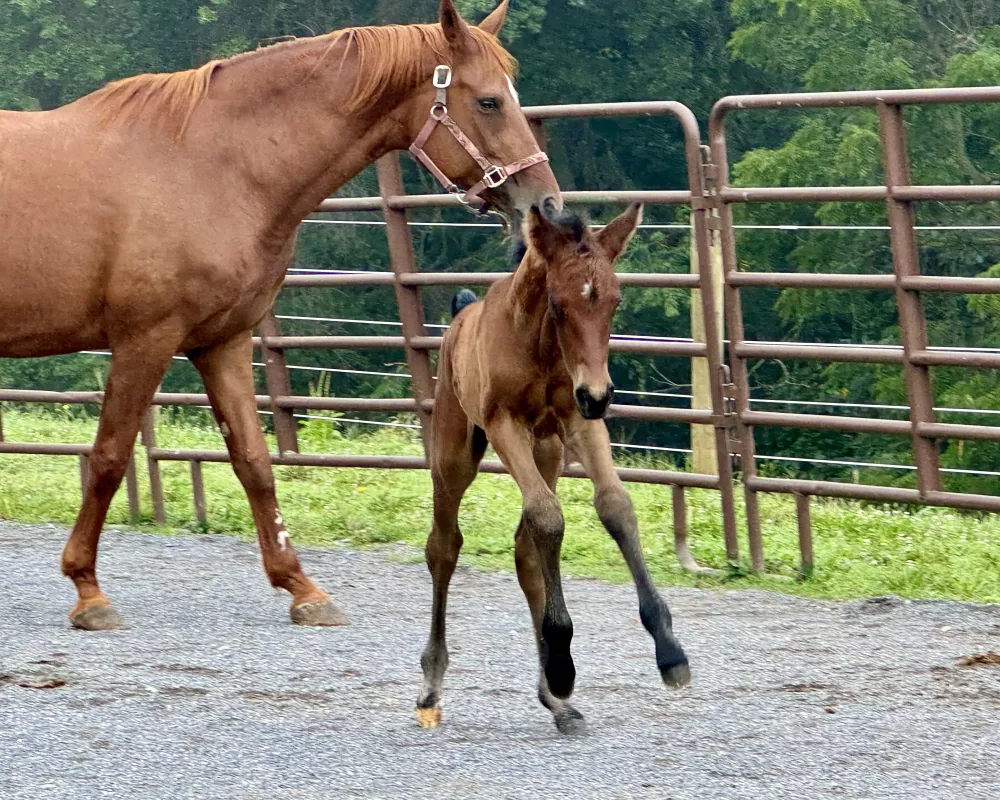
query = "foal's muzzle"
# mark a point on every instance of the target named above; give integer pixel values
(590, 406)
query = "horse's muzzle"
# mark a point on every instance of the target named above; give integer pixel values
(592, 407)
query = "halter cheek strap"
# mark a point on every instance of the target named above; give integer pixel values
(493, 174)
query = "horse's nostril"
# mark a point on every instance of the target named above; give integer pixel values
(551, 204)
(610, 391)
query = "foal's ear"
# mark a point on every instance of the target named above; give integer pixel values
(552, 228)
(615, 237)
(494, 22)
(456, 29)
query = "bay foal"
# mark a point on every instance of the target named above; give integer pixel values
(526, 370)
(158, 215)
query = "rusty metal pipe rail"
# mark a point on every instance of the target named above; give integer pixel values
(653, 476)
(877, 494)
(647, 280)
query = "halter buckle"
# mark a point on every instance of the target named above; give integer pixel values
(495, 176)
(442, 76)
(439, 111)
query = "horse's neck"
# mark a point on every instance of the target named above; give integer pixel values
(276, 112)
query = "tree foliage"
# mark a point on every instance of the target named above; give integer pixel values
(695, 51)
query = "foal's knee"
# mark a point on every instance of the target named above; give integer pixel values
(544, 519)
(614, 508)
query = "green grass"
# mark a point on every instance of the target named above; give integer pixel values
(861, 551)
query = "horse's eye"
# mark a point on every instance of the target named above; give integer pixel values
(489, 104)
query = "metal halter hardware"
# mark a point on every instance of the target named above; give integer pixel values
(494, 175)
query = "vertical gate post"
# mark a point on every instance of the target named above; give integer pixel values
(704, 458)
(411, 310)
(148, 436)
(278, 385)
(700, 205)
(734, 326)
(912, 322)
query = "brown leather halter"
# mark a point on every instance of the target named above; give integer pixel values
(493, 174)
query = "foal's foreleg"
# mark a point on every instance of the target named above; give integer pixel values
(543, 521)
(136, 368)
(456, 451)
(589, 440)
(548, 455)
(227, 372)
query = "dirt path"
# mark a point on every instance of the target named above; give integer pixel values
(791, 698)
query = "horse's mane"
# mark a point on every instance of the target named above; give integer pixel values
(389, 60)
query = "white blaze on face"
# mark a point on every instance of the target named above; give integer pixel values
(513, 91)
(587, 288)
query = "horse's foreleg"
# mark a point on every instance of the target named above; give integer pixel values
(228, 375)
(542, 521)
(457, 449)
(136, 369)
(548, 455)
(589, 440)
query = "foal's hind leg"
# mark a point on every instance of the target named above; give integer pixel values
(136, 369)
(227, 372)
(548, 458)
(589, 440)
(457, 450)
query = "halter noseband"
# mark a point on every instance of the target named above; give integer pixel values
(493, 174)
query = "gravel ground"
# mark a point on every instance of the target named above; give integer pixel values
(213, 694)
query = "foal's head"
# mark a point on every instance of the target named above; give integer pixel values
(583, 294)
(484, 103)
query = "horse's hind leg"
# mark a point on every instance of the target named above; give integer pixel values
(457, 450)
(590, 441)
(136, 369)
(227, 372)
(548, 458)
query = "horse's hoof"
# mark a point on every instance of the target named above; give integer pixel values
(570, 722)
(319, 614)
(429, 717)
(97, 618)
(677, 675)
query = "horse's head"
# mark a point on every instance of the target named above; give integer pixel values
(583, 294)
(474, 96)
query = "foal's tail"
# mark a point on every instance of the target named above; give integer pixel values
(464, 298)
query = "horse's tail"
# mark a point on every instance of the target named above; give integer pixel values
(464, 298)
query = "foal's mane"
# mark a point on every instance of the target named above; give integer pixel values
(390, 60)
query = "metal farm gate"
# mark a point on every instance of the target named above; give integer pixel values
(728, 416)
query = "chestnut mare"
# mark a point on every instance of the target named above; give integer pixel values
(158, 215)
(526, 370)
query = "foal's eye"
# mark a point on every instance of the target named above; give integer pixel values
(489, 104)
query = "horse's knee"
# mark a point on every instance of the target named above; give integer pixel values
(614, 508)
(544, 519)
(254, 471)
(107, 466)
(442, 549)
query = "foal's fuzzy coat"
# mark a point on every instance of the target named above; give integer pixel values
(526, 370)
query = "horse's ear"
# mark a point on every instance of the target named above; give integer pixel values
(456, 29)
(614, 238)
(494, 22)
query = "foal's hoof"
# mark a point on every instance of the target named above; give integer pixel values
(429, 717)
(676, 676)
(319, 614)
(97, 618)
(569, 721)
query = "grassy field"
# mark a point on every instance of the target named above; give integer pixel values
(861, 551)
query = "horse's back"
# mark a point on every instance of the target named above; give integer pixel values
(51, 239)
